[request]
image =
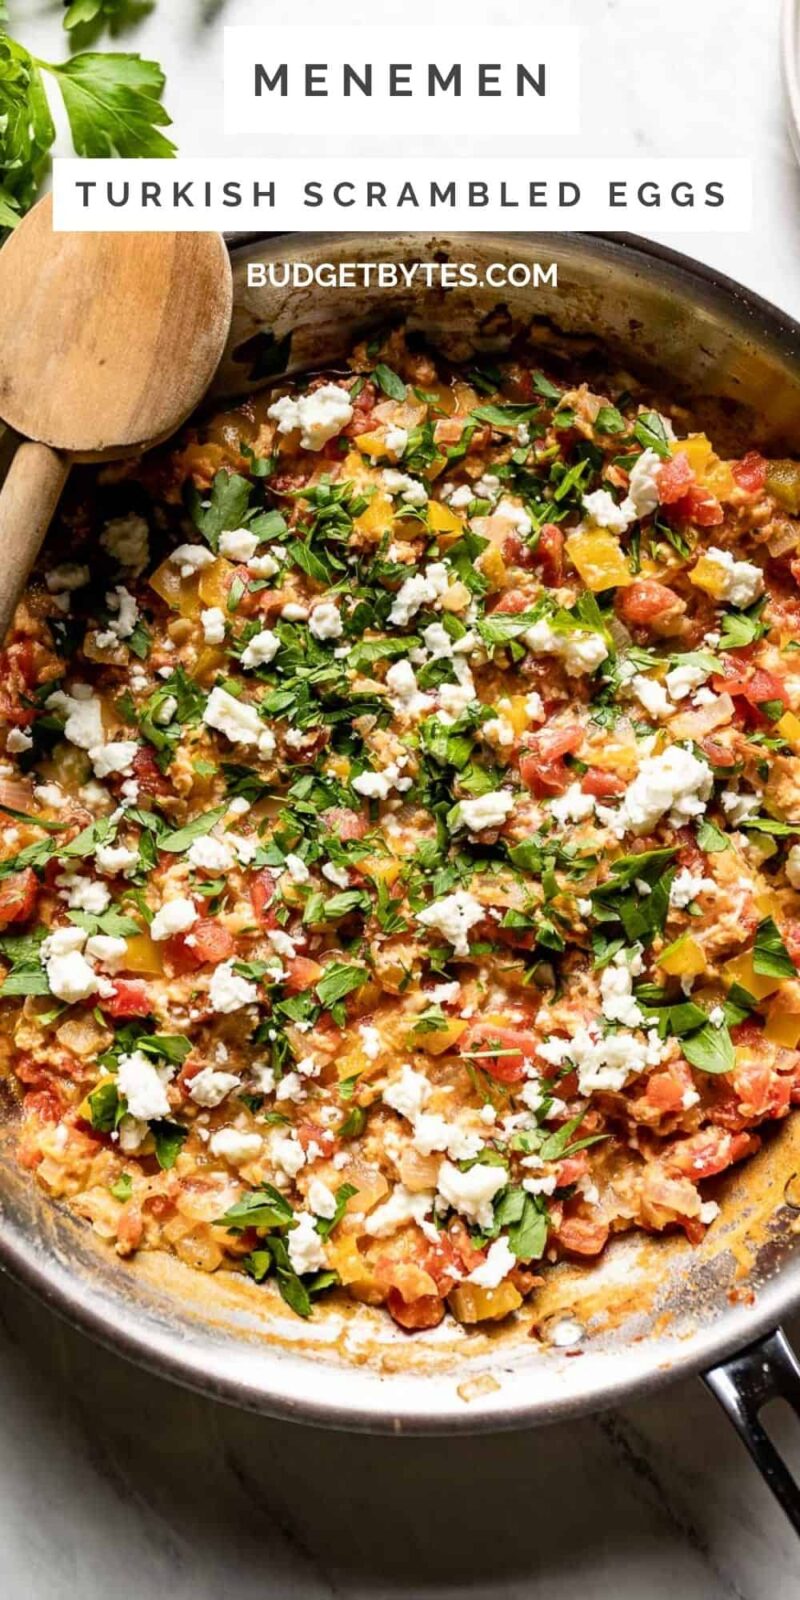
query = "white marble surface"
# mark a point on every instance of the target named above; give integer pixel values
(114, 1483)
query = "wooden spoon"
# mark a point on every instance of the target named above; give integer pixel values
(108, 341)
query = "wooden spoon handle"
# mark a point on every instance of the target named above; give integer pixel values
(28, 499)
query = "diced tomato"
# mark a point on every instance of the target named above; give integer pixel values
(541, 765)
(549, 554)
(18, 896)
(148, 774)
(129, 999)
(718, 754)
(310, 1133)
(44, 1104)
(426, 1312)
(748, 1033)
(755, 685)
(667, 1089)
(302, 973)
(345, 824)
(674, 479)
(363, 406)
(645, 600)
(511, 603)
(211, 943)
(582, 1236)
(597, 782)
(502, 1052)
(709, 1152)
(699, 506)
(760, 1091)
(751, 472)
(790, 929)
(571, 1169)
(17, 678)
(262, 895)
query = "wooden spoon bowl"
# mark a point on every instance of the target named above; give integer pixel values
(108, 342)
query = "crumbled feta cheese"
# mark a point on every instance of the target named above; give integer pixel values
(18, 740)
(616, 989)
(377, 785)
(319, 415)
(108, 949)
(192, 558)
(409, 489)
(685, 677)
(239, 721)
(453, 917)
(120, 626)
(402, 1206)
(235, 1145)
(127, 540)
(686, 886)
(396, 439)
(579, 650)
(306, 1249)
(643, 484)
(652, 695)
(175, 916)
(604, 1063)
(371, 1042)
(515, 516)
(471, 1193)
(238, 544)
(296, 868)
(433, 1132)
(604, 511)
(213, 622)
(742, 581)
(287, 1154)
(166, 711)
(321, 1199)
(228, 992)
(210, 854)
(739, 808)
(326, 622)
(209, 1087)
(115, 858)
(406, 698)
(573, 805)
(116, 756)
(144, 1086)
(83, 712)
(487, 487)
(675, 782)
(69, 975)
(489, 810)
(67, 577)
(499, 1262)
(421, 589)
(407, 1094)
(267, 565)
(83, 893)
(262, 649)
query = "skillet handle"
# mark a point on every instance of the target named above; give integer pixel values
(767, 1370)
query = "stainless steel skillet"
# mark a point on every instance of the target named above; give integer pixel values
(652, 1310)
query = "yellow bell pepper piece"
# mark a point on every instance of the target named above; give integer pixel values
(783, 481)
(782, 1027)
(346, 1259)
(377, 517)
(143, 955)
(597, 556)
(439, 1040)
(85, 1109)
(215, 582)
(788, 726)
(372, 444)
(442, 520)
(470, 1303)
(767, 903)
(742, 971)
(710, 576)
(697, 448)
(181, 594)
(711, 473)
(209, 661)
(683, 959)
(491, 564)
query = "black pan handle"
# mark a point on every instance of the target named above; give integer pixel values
(767, 1370)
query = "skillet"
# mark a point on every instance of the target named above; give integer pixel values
(651, 1310)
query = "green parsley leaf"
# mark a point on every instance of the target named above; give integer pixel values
(710, 1049)
(113, 102)
(390, 382)
(261, 1208)
(122, 1188)
(178, 841)
(340, 979)
(169, 1137)
(770, 956)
